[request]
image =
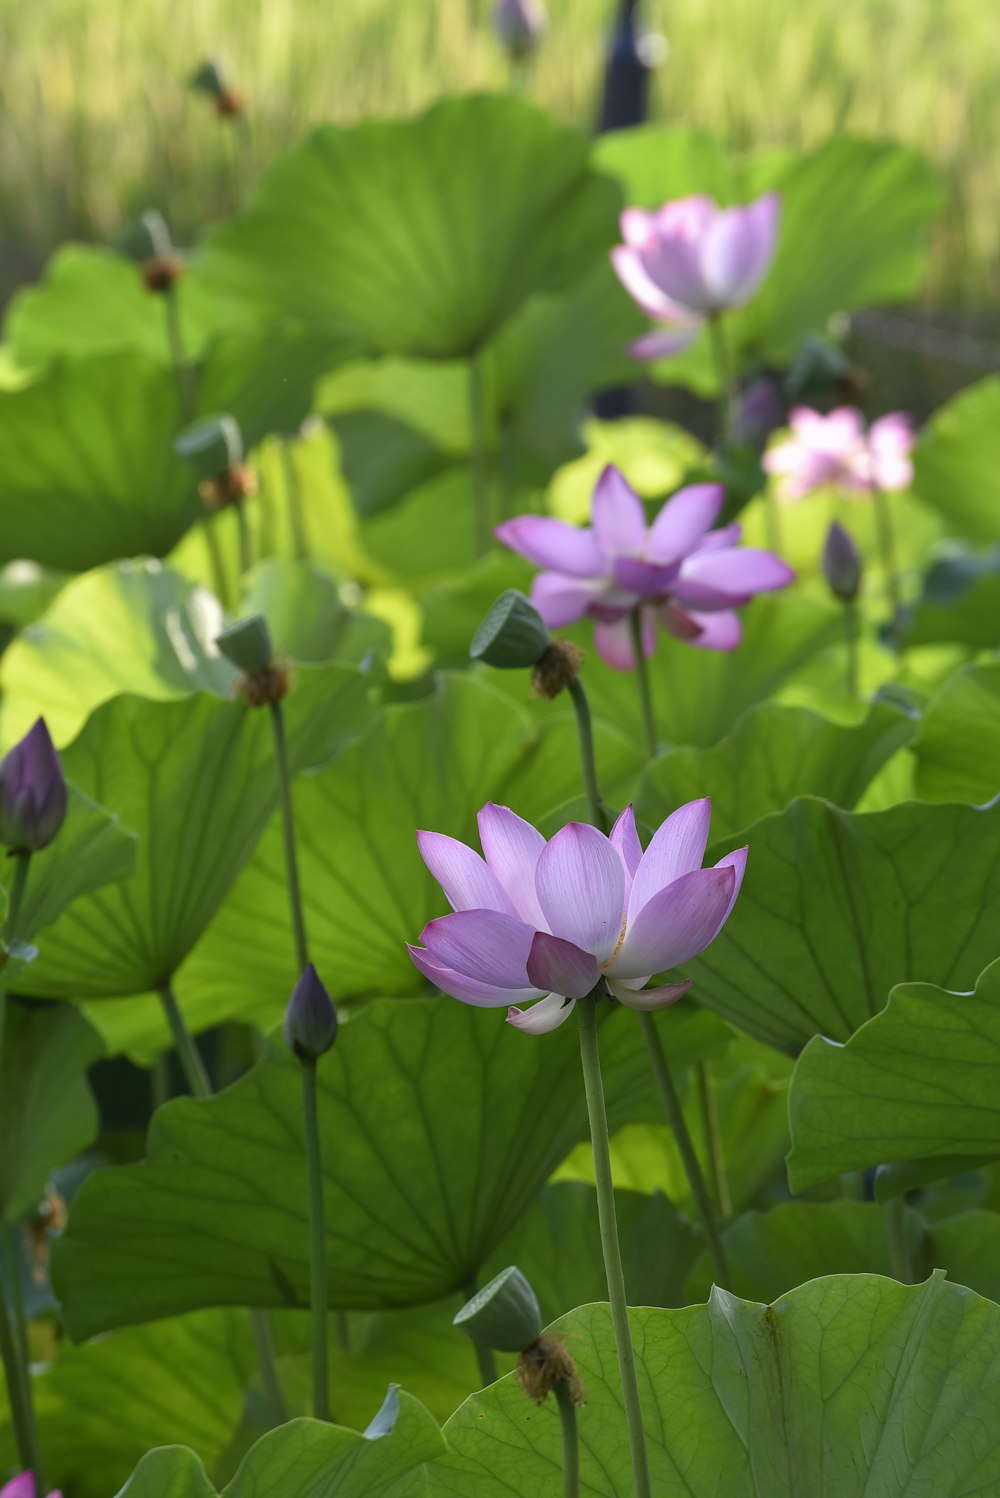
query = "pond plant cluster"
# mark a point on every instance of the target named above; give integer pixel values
(554, 861)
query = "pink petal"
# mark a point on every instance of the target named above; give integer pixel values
(547, 1015)
(562, 600)
(618, 517)
(664, 343)
(629, 270)
(637, 226)
(459, 986)
(613, 642)
(641, 578)
(649, 998)
(728, 258)
(721, 630)
(720, 540)
(21, 1487)
(683, 521)
(763, 219)
(720, 579)
(676, 924)
(467, 882)
(512, 847)
(553, 543)
(624, 838)
(677, 846)
(581, 889)
(737, 861)
(561, 966)
(677, 622)
(483, 945)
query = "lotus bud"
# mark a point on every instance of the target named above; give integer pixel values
(513, 634)
(247, 644)
(311, 1018)
(148, 243)
(841, 563)
(520, 26)
(212, 79)
(33, 796)
(504, 1315)
(23, 1486)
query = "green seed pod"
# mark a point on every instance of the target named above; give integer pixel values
(146, 239)
(513, 634)
(212, 446)
(504, 1315)
(247, 643)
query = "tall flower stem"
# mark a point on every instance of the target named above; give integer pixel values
(851, 632)
(887, 549)
(288, 830)
(197, 1079)
(246, 541)
(317, 1237)
(178, 356)
(714, 1146)
(728, 390)
(15, 899)
(570, 1440)
(588, 761)
(894, 1212)
(18, 1380)
(293, 500)
(675, 1115)
(597, 1113)
(642, 678)
(479, 457)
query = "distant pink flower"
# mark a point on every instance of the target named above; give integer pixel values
(677, 572)
(836, 451)
(23, 1487)
(548, 920)
(690, 261)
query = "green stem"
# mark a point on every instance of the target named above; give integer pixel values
(199, 1084)
(217, 567)
(15, 898)
(851, 642)
(887, 549)
(293, 497)
(317, 1235)
(597, 1113)
(588, 760)
(18, 1387)
(894, 1212)
(11, 1251)
(288, 830)
(714, 1147)
(246, 543)
(675, 1116)
(487, 1365)
(182, 373)
(570, 1440)
(728, 393)
(479, 458)
(642, 678)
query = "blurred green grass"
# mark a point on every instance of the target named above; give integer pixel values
(99, 123)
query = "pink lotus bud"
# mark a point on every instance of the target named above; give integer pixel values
(520, 26)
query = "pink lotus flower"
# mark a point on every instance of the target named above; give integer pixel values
(836, 451)
(549, 920)
(690, 261)
(23, 1487)
(677, 571)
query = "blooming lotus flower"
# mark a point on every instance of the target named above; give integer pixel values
(33, 794)
(691, 261)
(23, 1487)
(836, 451)
(549, 920)
(677, 572)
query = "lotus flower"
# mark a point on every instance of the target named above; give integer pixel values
(677, 571)
(836, 451)
(32, 793)
(549, 920)
(23, 1487)
(841, 563)
(520, 26)
(691, 261)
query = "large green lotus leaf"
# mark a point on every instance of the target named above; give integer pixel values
(958, 742)
(771, 1252)
(774, 754)
(658, 1245)
(126, 627)
(852, 1386)
(969, 1245)
(837, 907)
(960, 603)
(91, 300)
(431, 764)
(309, 1459)
(920, 1082)
(47, 1113)
(100, 1407)
(453, 611)
(306, 615)
(195, 779)
(87, 467)
(420, 235)
(957, 461)
(699, 694)
(218, 1214)
(655, 163)
(265, 376)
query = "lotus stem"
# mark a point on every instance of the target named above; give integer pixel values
(479, 458)
(714, 1147)
(182, 372)
(18, 1380)
(851, 633)
(317, 1236)
(588, 760)
(597, 1112)
(15, 898)
(570, 1440)
(288, 830)
(887, 550)
(642, 678)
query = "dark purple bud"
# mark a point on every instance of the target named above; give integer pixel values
(841, 563)
(520, 26)
(310, 1019)
(32, 792)
(760, 410)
